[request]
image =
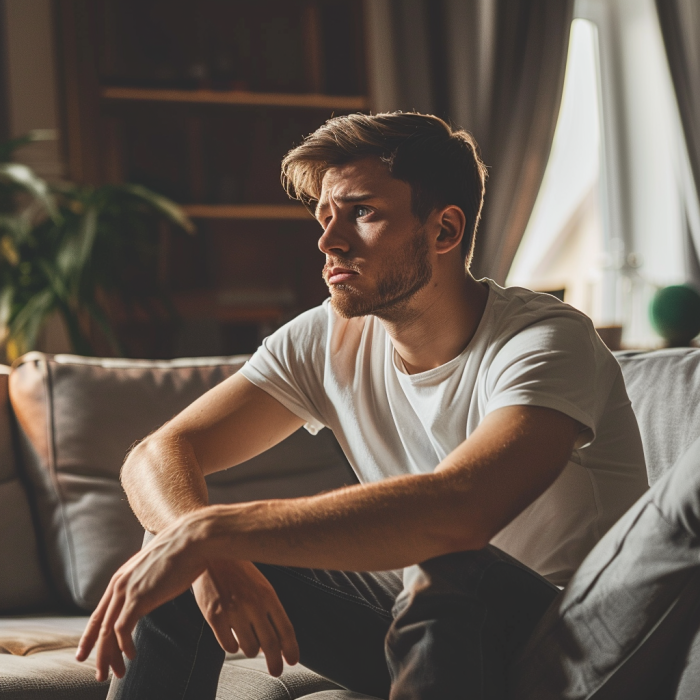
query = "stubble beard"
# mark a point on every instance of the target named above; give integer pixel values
(391, 300)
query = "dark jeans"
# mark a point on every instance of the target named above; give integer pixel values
(446, 629)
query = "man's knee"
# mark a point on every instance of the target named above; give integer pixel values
(177, 655)
(464, 573)
(480, 586)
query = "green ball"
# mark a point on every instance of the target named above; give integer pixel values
(675, 314)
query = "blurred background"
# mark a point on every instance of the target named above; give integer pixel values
(112, 112)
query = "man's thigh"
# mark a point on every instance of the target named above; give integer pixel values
(341, 620)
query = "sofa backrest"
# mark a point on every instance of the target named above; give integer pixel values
(77, 419)
(79, 416)
(664, 387)
(23, 585)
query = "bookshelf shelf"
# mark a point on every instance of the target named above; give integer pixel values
(237, 97)
(286, 212)
(210, 304)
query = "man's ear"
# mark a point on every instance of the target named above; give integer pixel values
(452, 222)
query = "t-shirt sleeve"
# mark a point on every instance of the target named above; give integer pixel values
(289, 366)
(558, 363)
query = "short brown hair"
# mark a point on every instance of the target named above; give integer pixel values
(441, 164)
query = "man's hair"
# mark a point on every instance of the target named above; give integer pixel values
(440, 164)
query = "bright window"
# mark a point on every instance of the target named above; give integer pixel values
(561, 248)
(609, 223)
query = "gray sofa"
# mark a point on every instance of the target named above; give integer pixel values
(65, 526)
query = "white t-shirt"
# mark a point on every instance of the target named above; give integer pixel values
(529, 349)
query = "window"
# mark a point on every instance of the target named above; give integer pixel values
(608, 225)
(562, 246)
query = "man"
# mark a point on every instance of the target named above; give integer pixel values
(473, 416)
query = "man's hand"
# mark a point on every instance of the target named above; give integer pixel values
(236, 599)
(161, 571)
(231, 594)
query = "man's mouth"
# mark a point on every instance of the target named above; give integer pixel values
(338, 275)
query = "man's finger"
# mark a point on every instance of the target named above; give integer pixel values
(270, 644)
(285, 633)
(245, 634)
(92, 630)
(108, 656)
(223, 633)
(107, 645)
(124, 626)
(116, 659)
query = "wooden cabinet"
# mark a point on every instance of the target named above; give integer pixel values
(200, 100)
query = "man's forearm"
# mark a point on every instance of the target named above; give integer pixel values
(481, 486)
(163, 481)
(377, 526)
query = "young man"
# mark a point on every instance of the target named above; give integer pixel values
(473, 416)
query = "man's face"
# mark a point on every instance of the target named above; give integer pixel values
(377, 252)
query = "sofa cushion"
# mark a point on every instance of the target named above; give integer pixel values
(56, 675)
(79, 416)
(51, 675)
(664, 386)
(248, 679)
(22, 582)
(42, 665)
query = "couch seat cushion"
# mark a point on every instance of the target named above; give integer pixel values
(37, 661)
(49, 675)
(248, 679)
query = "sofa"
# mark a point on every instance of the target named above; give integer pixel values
(66, 423)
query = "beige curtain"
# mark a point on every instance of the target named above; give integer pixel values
(680, 27)
(494, 67)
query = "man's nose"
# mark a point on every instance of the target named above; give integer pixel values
(333, 241)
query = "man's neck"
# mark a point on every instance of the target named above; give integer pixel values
(441, 327)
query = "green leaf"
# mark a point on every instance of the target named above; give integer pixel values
(56, 282)
(24, 177)
(24, 328)
(76, 249)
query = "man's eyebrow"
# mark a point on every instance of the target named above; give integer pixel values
(345, 199)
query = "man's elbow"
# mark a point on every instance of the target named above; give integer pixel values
(464, 537)
(135, 468)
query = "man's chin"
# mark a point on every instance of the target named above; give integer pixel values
(348, 305)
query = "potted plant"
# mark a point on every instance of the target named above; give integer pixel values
(78, 251)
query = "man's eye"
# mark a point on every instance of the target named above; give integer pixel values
(362, 211)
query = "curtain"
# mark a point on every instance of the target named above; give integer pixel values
(493, 67)
(680, 27)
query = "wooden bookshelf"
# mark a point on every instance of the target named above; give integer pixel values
(238, 97)
(283, 212)
(199, 100)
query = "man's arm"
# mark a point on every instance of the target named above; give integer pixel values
(511, 459)
(163, 475)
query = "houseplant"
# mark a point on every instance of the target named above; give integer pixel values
(77, 251)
